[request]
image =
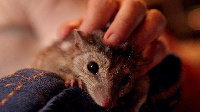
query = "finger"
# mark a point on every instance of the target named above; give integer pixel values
(156, 52)
(98, 14)
(128, 18)
(66, 28)
(150, 30)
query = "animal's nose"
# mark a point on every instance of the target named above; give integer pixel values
(106, 103)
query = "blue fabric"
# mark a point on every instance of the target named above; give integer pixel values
(28, 90)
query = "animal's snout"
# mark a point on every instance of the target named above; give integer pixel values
(106, 103)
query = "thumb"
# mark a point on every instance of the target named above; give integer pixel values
(66, 28)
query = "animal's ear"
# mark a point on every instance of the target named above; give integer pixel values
(81, 39)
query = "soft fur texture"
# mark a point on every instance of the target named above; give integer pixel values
(118, 68)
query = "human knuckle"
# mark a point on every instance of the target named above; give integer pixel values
(106, 2)
(99, 3)
(157, 14)
(125, 21)
(139, 4)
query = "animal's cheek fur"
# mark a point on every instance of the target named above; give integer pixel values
(126, 89)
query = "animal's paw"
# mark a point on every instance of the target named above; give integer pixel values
(73, 82)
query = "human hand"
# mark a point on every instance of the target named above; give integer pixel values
(132, 22)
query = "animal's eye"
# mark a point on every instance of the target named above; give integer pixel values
(125, 79)
(93, 67)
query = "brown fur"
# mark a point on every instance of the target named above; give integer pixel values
(69, 59)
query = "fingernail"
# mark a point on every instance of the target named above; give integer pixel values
(112, 40)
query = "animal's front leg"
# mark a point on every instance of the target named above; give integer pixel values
(72, 81)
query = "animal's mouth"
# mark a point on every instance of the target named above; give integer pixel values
(123, 102)
(107, 105)
(105, 100)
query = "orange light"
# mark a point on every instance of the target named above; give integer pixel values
(194, 19)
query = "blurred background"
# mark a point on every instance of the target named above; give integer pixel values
(183, 38)
(21, 38)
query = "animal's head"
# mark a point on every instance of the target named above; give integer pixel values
(107, 73)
